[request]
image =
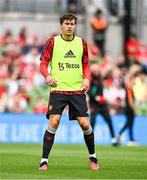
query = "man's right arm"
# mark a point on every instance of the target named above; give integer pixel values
(45, 58)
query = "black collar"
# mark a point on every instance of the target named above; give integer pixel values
(67, 40)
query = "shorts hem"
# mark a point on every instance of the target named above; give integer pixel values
(48, 114)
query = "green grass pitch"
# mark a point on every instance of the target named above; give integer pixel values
(20, 161)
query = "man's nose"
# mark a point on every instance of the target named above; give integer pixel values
(69, 25)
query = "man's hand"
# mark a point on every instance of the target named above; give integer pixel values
(85, 84)
(51, 81)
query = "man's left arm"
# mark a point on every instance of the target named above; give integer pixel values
(85, 66)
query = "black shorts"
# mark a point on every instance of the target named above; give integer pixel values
(77, 105)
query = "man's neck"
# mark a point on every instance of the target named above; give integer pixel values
(67, 37)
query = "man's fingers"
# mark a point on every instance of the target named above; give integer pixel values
(85, 88)
(85, 85)
(53, 83)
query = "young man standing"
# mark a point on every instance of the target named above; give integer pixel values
(68, 58)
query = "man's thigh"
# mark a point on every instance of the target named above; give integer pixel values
(78, 106)
(57, 103)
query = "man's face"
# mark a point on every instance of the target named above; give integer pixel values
(68, 27)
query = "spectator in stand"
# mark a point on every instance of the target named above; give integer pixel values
(93, 52)
(32, 57)
(99, 25)
(107, 62)
(6, 38)
(131, 48)
(3, 95)
(140, 84)
(116, 93)
(3, 102)
(4, 73)
(16, 103)
(13, 84)
(38, 80)
(22, 37)
(121, 61)
(137, 52)
(141, 56)
(41, 106)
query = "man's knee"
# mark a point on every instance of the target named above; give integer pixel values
(54, 121)
(84, 123)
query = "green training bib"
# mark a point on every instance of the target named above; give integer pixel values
(66, 64)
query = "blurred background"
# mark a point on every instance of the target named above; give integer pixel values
(118, 45)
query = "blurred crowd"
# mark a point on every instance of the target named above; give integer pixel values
(19, 74)
(114, 73)
(23, 89)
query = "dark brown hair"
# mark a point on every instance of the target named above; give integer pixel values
(68, 16)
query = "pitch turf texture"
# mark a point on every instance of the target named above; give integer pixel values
(20, 161)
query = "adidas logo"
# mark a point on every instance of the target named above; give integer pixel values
(69, 54)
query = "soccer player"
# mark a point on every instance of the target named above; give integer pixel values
(97, 101)
(68, 58)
